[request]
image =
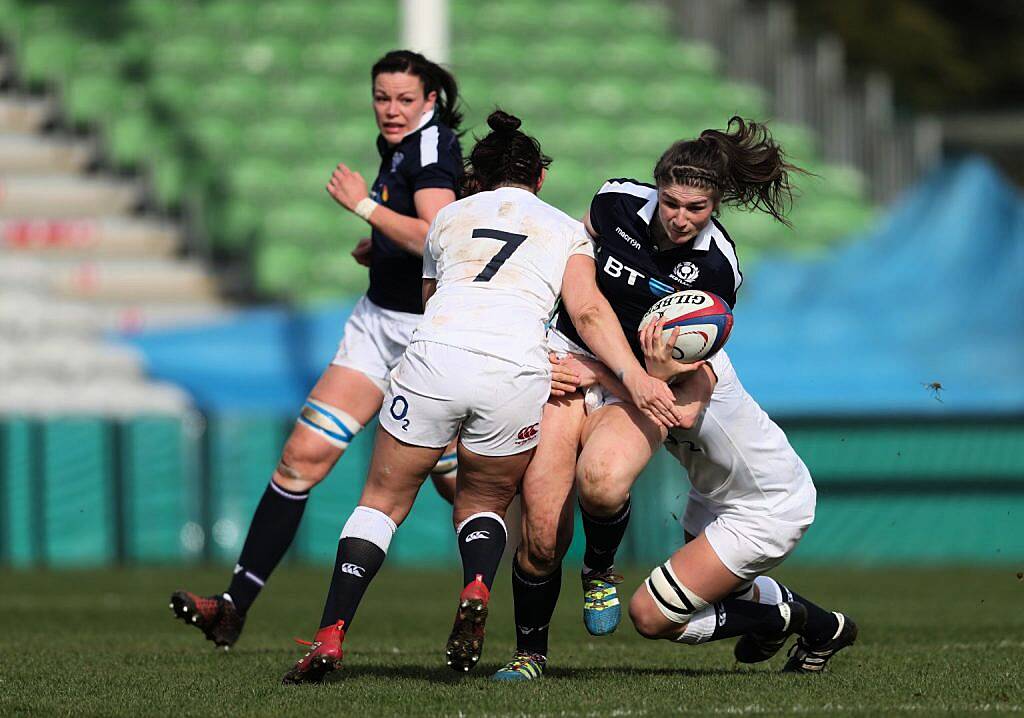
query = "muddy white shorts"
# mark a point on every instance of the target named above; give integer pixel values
(747, 542)
(374, 339)
(438, 391)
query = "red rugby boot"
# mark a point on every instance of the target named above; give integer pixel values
(215, 616)
(466, 642)
(323, 656)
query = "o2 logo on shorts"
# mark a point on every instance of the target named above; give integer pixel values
(399, 408)
(527, 433)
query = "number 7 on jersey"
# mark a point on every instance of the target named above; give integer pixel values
(512, 242)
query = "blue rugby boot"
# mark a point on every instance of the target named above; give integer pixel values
(523, 667)
(601, 610)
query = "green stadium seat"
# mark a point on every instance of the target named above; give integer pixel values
(278, 137)
(130, 138)
(344, 56)
(93, 97)
(46, 57)
(169, 176)
(236, 96)
(217, 137)
(189, 55)
(267, 55)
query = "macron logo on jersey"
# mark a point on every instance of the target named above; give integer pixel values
(477, 535)
(633, 242)
(353, 569)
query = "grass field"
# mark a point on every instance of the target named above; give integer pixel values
(104, 643)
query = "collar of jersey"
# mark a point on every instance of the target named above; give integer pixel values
(384, 148)
(702, 242)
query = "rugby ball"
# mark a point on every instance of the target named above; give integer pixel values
(703, 318)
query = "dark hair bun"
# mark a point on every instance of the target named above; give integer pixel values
(501, 121)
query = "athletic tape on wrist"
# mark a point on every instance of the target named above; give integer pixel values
(364, 208)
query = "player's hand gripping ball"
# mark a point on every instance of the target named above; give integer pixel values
(704, 321)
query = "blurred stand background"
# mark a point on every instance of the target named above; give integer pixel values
(173, 277)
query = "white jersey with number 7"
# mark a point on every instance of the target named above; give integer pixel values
(498, 258)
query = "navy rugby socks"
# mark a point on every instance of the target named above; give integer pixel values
(821, 624)
(732, 617)
(272, 530)
(604, 534)
(481, 543)
(534, 600)
(361, 552)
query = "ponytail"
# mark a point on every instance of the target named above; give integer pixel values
(434, 78)
(505, 156)
(742, 166)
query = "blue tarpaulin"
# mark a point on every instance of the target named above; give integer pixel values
(935, 293)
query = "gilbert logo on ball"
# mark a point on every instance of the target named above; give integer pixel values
(704, 321)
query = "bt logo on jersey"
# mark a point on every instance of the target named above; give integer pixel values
(527, 433)
(614, 268)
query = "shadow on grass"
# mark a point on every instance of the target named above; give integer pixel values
(443, 674)
(432, 674)
(605, 672)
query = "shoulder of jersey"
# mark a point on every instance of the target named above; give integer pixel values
(557, 214)
(631, 187)
(431, 142)
(727, 248)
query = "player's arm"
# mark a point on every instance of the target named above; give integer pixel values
(429, 263)
(586, 372)
(429, 287)
(693, 394)
(348, 189)
(597, 324)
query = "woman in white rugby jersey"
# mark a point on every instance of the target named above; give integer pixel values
(415, 102)
(652, 240)
(477, 367)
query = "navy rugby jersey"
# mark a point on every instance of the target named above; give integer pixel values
(631, 271)
(428, 157)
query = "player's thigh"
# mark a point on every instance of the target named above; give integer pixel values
(487, 483)
(397, 470)
(547, 490)
(618, 442)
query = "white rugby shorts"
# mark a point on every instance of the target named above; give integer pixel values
(374, 339)
(750, 543)
(438, 391)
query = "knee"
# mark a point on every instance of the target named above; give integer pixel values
(647, 619)
(602, 489)
(300, 470)
(540, 557)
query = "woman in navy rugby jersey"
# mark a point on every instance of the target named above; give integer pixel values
(415, 102)
(650, 241)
